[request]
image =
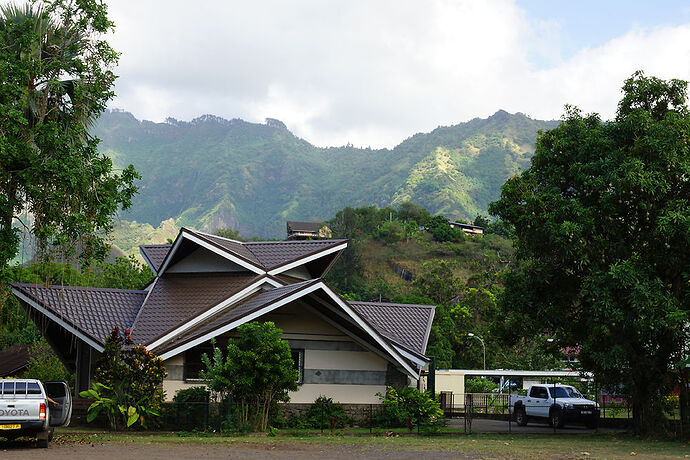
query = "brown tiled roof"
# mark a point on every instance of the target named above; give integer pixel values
(155, 254)
(236, 247)
(264, 254)
(94, 311)
(13, 360)
(176, 298)
(408, 325)
(272, 254)
(232, 313)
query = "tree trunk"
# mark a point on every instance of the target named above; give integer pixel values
(648, 413)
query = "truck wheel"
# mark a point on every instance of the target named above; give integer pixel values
(520, 416)
(556, 418)
(42, 439)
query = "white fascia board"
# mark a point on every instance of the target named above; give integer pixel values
(252, 288)
(274, 282)
(240, 321)
(58, 320)
(380, 340)
(410, 356)
(170, 254)
(146, 259)
(223, 253)
(306, 260)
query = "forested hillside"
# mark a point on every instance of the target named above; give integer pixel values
(211, 173)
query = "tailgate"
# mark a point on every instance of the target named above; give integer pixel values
(19, 401)
(18, 410)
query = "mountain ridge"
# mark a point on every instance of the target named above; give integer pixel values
(211, 172)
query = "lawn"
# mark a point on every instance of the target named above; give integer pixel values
(489, 445)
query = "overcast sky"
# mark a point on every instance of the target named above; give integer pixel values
(375, 72)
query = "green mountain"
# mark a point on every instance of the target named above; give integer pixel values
(212, 172)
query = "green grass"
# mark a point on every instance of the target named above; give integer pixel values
(493, 445)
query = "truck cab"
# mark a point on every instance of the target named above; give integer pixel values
(556, 404)
(31, 408)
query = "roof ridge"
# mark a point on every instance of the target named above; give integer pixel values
(331, 240)
(392, 304)
(216, 236)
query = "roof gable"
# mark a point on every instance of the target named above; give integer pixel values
(272, 257)
(407, 325)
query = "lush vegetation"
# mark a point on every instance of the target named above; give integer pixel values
(211, 173)
(257, 369)
(602, 219)
(461, 275)
(127, 385)
(55, 79)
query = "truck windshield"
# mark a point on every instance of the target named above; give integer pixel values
(564, 392)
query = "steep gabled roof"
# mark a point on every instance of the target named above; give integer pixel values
(175, 299)
(274, 254)
(407, 325)
(264, 255)
(250, 304)
(92, 312)
(154, 254)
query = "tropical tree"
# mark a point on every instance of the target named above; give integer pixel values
(55, 79)
(602, 219)
(258, 371)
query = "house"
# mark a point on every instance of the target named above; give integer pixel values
(302, 230)
(206, 286)
(467, 228)
(14, 360)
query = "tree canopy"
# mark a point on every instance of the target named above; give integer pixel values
(602, 219)
(55, 79)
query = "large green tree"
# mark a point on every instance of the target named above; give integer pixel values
(602, 225)
(55, 79)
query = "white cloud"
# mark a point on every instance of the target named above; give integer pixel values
(370, 73)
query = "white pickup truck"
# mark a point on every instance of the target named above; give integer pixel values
(26, 408)
(557, 404)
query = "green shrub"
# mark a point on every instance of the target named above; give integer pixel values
(406, 406)
(479, 385)
(193, 394)
(320, 413)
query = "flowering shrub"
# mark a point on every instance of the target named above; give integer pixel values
(128, 383)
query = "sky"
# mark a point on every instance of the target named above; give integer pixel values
(374, 72)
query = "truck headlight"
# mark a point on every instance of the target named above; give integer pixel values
(568, 406)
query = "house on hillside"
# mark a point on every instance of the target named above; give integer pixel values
(206, 286)
(302, 230)
(467, 228)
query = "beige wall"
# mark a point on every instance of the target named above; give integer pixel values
(328, 354)
(345, 394)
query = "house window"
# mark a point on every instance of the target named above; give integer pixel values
(298, 359)
(192, 361)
